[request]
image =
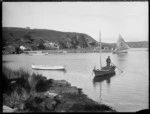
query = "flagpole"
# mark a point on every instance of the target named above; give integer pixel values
(100, 49)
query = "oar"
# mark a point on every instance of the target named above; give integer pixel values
(91, 75)
(92, 72)
(117, 67)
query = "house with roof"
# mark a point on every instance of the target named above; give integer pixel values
(22, 48)
(9, 49)
(104, 48)
(51, 45)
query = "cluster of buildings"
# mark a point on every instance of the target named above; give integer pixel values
(15, 49)
(104, 48)
(12, 49)
(51, 45)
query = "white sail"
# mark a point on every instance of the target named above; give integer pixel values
(121, 45)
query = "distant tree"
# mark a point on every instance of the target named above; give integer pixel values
(4, 42)
(18, 50)
(42, 41)
(93, 44)
(41, 44)
(28, 36)
(11, 34)
(34, 47)
(17, 39)
(83, 42)
(62, 44)
(74, 42)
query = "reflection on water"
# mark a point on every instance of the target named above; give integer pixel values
(97, 80)
(121, 58)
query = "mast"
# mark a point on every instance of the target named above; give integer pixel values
(100, 49)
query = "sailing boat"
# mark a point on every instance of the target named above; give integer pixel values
(121, 46)
(103, 71)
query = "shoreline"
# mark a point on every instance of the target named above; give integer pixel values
(39, 94)
(70, 51)
(82, 50)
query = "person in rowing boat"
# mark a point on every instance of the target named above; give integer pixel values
(108, 61)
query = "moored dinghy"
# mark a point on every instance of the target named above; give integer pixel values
(38, 53)
(47, 67)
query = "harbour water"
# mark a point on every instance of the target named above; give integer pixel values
(124, 92)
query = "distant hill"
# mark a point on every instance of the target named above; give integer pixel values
(34, 37)
(26, 36)
(140, 44)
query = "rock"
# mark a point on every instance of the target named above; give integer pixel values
(8, 109)
(49, 106)
(65, 89)
(21, 106)
(62, 110)
(72, 90)
(12, 82)
(61, 83)
(50, 94)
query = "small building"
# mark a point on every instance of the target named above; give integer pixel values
(103, 48)
(9, 49)
(51, 45)
(22, 48)
(28, 49)
(106, 48)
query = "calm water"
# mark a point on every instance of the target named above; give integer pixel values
(125, 92)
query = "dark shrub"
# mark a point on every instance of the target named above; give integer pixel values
(38, 104)
(43, 85)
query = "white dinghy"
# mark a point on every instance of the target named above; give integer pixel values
(42, 53)
(47, 67)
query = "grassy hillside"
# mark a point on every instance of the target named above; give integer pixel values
(25, 36)
(68, 40)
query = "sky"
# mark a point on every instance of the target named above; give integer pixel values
(130, 19)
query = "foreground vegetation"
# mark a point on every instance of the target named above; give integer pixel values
(34, 93)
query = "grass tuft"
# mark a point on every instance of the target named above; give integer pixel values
(19, 87)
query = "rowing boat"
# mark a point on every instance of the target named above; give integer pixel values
(46, 53)
(47, 67)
